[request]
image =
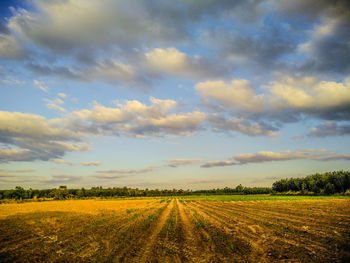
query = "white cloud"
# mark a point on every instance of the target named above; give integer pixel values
(170, 59)
(41, 85)
(218, 163)
(283, 99)
(237, 94)
(91, 163)
(9, 47)
(119, 173)
(37, 137)
(220, 123)
(112, 72)
(62, 179)
(330, 128)
(269, 156)
(136, 119)
(172, 62)
(17, 171)
(55, 105)
(309, 94)
(61, 161)
(180, 162)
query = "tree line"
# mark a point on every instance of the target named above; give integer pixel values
(64, 193)
(322, 184)
(319, 184)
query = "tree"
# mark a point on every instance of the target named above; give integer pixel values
(329, 189)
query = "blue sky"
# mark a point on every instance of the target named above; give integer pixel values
(172, 94)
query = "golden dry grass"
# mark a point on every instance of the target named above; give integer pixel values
(93, 206)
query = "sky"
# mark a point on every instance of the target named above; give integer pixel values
(172, 94)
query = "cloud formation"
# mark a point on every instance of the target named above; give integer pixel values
(9, 47)
(119, 173)
(238, 93)
(180, 162)
(62, 179)
(330, 128)
(41, 85)
(55, 104)
(31, 137)
(61, 161)
(173, 62)
(136, 119)
(285, 99)
(17, 171)
(268, 156)
(223, 124)
(91, 163)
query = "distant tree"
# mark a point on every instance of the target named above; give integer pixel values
(329, 189)
(239, 188)
(327, 183)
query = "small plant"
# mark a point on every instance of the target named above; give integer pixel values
(232, 247)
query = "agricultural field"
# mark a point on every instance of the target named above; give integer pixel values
(181, 229)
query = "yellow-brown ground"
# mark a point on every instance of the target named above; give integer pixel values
(174, 230)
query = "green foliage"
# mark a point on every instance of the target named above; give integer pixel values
(327, 183)
(64, 193)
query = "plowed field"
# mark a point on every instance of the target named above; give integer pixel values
(176, 230)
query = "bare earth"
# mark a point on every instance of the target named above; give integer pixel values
(175, 230)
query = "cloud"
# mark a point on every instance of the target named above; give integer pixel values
(330, 128)
(238, 93)
(136, 119)
(11, 178)
(204, 181)
(327, 47)
(180, 162)
(123, 29)
(114, 72)
(20, 155)
(269, 156)
(56, 71)
(18, 171)
(29, 137)
(62, 95)
(109, 176)
(61, 161)
(62, 179)
(261, 49)
(60, 26)
(218, 163)
(36, 137)
(9, 47)
(171, 61)
(312, 96)
(109, 71)
(119, 173)
(285, 99)
(118, 31)
(5, 175)
(220, 123)
(41, 85)
(55, 104)
(95, 163)
(10, 80)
